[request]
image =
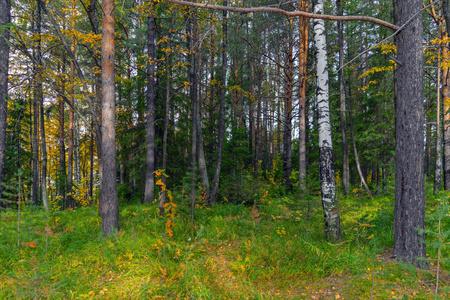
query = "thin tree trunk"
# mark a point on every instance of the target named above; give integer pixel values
(166, 116)
(110, 204)
(355, 152)
(5, 18)
(326, 172)
(409, 242)
(41, 101)
(303, 56)
(437, 171)
(91, 167)
(287, 118)
(215, 188)
(345, 165)
(151, 99)
(70, 200)
(62, 147)
(34, 142)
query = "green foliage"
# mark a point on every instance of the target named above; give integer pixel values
(275, 250)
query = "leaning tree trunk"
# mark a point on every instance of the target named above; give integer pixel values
(5, 18)
(409, 242)
(110, 205)
(151, 98)
(215, 188)
(326, 172)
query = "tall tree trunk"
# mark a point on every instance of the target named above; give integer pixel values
(446, 112)
(192, 29)
(437, 171)
(326, 172)
(34, 141)
(91, 165)
(151, 99)
(287, 118)
(409, 243)
(166, 115)
(62, 147)
(41, 101)
(345, 165)
(70, 200)
(5, 18)
(251, 116)
(110, 204)
(303, 56)
(215, 188)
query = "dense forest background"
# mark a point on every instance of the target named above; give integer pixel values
(213, 109)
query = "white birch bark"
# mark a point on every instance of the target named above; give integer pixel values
(328, 188)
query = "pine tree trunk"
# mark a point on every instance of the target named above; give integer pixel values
(110, 205)
(303, 56)
(215, 188)
(151, 99)
(287, 118)
(5, 18)
(326, 171)
(409, 243)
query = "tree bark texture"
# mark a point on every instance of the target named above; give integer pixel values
(215, 188)
(326, 171)
(151, 99)
(446, 112)
(110, 205)
(5, 18)
(409, 244)
(287, 118)
(303, 56)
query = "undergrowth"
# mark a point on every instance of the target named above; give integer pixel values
(275, 249)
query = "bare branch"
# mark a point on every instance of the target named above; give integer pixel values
(287, 13)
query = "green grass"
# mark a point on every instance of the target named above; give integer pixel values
(229, 253)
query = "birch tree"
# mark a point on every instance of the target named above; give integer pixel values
(326, 172)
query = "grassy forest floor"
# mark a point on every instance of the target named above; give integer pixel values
(275, 251)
